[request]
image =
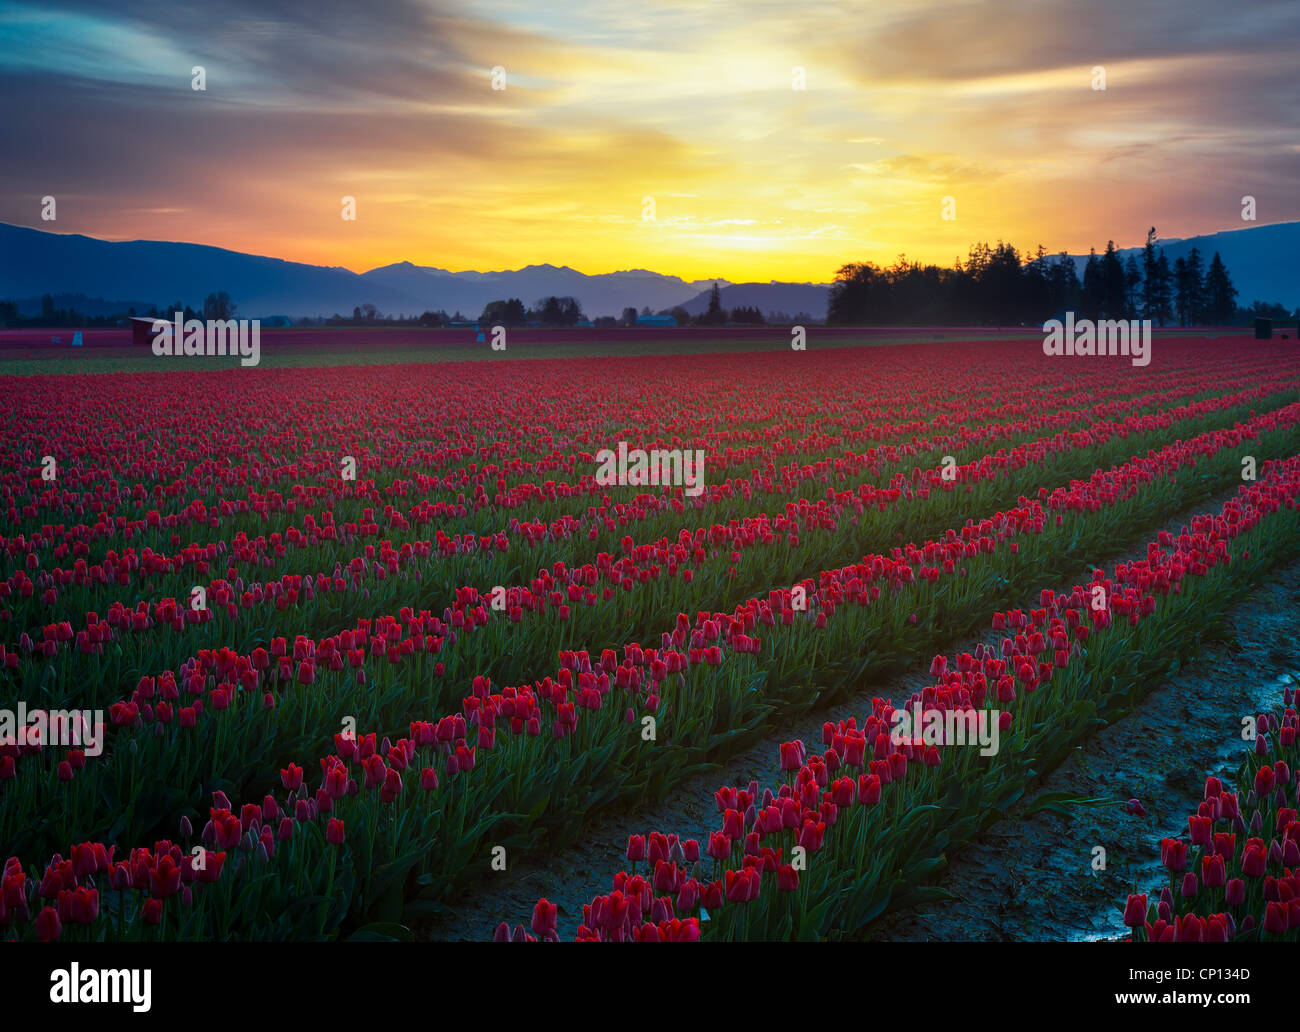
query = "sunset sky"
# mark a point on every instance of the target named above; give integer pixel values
(691, 103)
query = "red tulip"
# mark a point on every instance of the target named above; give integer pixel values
(1135, 911)
(733, 824)
(1275, 917)
(635, 848)
(392, 787)
(48, 925)
(869, 789)
(1173, 854)
(1254, 860)
(84, 905)
(165, 878)
(212, 866)
(1213, 871)
(545, 916)
(719, 845)
(792, 755)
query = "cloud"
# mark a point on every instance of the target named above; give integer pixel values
(690, 102)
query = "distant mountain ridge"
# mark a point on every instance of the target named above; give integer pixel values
(790, 298)
(34, 262)
(601, 294)
(1264, 262)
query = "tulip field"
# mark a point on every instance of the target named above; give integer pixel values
(366, 637)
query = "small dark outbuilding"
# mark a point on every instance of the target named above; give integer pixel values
(142, 332)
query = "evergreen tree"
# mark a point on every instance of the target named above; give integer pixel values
(1195, 288)
(1114, 298)
(1065, 287)
(1182, 295)
(1132, 288)
(1150, 285)
(715, 314)
(1094, 287)
(1161, 295)
(1220, 294)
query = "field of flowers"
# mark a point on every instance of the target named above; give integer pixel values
(364, 637)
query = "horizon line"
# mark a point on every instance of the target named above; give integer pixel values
(611, 272)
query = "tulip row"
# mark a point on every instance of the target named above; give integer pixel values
(858, 830)
(1236, 875)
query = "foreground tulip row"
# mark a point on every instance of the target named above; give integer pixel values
(859, 829)
(1235, 873)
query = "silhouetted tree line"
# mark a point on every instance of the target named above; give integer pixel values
(369, 315)
(216, 305)
(548, 311)
(997, 286)
(53, 316)
(716, 315)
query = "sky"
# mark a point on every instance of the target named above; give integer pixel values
(635, 134)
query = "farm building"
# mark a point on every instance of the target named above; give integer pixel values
(142, 331)
(655, 320)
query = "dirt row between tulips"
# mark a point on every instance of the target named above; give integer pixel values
(1033, 879)
(1043, 866)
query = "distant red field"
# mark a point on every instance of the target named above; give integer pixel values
(48, 342)
(36, 342)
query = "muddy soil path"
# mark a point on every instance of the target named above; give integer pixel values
(1033, 879)
(571, 877)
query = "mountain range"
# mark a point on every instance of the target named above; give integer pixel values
(1264, 262)
(34, 262)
